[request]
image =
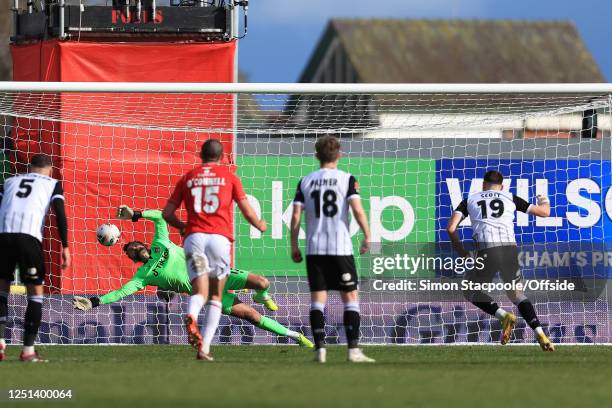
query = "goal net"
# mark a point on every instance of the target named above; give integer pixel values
(416, 152)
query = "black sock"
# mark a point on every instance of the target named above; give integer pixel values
(351, 327)
(529, 314)
(317, 323)
(33, 316)
(3, 315)
(482, 301)
(488, 307)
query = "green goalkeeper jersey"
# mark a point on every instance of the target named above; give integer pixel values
(165, 269)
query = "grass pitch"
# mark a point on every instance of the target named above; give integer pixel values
(284, 376)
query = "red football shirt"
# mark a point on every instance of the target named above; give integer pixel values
(208, 192)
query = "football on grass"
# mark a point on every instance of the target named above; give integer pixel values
(108, 234)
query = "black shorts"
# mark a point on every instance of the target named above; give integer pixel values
(331, 272)
(25, 251)
(502, 259)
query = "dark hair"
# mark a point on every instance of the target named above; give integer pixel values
(493, 177)
(41, 161)
(126, 246)
(212, 150)
(328, 149)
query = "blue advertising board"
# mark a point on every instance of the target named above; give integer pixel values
(580, 196)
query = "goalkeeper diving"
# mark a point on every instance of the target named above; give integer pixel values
(164, 267)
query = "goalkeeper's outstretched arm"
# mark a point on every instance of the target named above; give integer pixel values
(161, 227)
(133, 286)
(137, 282)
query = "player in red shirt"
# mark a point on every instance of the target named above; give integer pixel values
(208, 192)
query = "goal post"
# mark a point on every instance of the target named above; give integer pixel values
(416, 149)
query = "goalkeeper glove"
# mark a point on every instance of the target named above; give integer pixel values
(126, 213)
(84, 304)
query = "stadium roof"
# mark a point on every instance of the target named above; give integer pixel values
(456, 51)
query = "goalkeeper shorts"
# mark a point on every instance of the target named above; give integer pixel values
(236, 281)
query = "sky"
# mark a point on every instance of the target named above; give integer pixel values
(283, 33)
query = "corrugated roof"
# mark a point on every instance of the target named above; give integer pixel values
(467, 51)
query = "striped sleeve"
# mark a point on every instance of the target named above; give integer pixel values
(57, 201)
(462, 208)
(353, 188)
(299, 195)
(58, 192)
(521, 205)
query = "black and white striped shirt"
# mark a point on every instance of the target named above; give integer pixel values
(25, 203)
(325, 196)
(492, 216)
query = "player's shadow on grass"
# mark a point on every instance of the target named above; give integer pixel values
(424, 324)
(230, 327)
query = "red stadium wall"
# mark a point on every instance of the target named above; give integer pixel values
(102, 167)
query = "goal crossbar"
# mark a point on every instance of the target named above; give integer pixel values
(304, 88)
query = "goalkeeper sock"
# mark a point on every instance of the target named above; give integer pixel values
(33, 316)
(351, 324)
(273, 326)
(196, 302)
(317, 323)
(3, 313)
(529, 314)
(212, 315)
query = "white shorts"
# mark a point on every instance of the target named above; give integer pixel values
(207, 254)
